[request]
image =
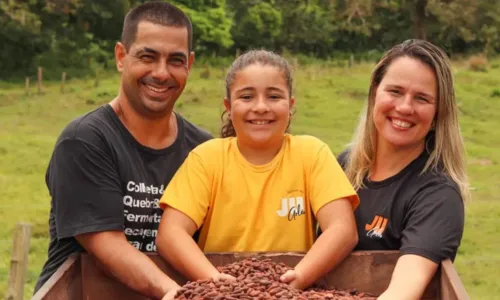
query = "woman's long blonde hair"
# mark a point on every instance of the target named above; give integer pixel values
(448, 154)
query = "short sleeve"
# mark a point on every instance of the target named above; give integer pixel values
(85, 189)
(328, 182)
(434, 224)
(189, 190)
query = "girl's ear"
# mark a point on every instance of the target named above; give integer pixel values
(227, 105)
(292, 102)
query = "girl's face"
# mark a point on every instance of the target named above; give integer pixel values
(405, 104)
(259, 105)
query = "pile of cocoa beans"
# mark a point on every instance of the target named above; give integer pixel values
(258, 279)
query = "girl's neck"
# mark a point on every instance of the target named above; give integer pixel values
(259, 154)
(390, 160)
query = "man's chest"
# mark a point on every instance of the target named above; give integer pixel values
(142, 182)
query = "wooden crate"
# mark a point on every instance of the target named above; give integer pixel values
(367, 271)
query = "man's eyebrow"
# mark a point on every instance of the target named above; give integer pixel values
(147, 50)
(178, 54)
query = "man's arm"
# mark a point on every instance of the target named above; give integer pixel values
(127, 264)
(176, 245)
(411, 287)
(339, 237)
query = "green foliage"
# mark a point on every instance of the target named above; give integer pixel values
(258, 25)
(64, 34)
(211, 24)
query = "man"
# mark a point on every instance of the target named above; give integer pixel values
(110, 166)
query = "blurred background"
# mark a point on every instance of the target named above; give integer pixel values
(56, 62)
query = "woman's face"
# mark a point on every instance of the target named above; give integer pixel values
(405, 104)
(260, 105)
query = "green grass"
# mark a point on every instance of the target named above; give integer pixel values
(328, 105)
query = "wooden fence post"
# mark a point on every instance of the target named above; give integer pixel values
(63, 81)
(27, 86)
(40, 80)
(18, 262)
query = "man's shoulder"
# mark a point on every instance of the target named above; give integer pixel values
(87, 127)
(194, 134)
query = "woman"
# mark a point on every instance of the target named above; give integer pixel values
(407, 164)
(258, 188)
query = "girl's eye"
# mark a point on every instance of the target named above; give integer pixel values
(422, 99)
(395, 92)
(275, 97)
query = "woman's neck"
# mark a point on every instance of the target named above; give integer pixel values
(259, 154)
(390, 160)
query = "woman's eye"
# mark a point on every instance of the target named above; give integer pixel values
(395, 92)
(422, 99)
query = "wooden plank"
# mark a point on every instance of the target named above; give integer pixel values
(18, 261)
(367, 271)
(451, 285)
(65, 283)
(99, 285)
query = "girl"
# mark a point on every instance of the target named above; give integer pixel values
(258, 188)
(407, 163)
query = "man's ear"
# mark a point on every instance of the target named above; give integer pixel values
(190, 60)
(120, 53)
(227, 105)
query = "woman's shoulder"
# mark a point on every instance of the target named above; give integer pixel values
(436, 180)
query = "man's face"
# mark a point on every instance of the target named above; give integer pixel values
(155, 69)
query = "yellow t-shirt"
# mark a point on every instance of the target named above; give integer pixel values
(244, 207)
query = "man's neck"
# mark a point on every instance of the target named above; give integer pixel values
(155, 133)
(390, 160)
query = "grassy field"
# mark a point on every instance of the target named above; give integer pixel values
(328, 104)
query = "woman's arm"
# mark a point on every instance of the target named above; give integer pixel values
(339, 237)
(176, 245)
(411, 276)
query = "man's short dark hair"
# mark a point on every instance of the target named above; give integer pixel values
(156, 12)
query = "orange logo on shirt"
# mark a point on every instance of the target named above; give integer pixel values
(377, 227)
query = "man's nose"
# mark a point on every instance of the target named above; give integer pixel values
(161, 72)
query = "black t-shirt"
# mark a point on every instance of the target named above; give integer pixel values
(100, 178)
(415, 213)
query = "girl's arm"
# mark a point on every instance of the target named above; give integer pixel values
(339, 237)
(411, 287)
(176, 245)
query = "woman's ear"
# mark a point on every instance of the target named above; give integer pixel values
(292, 102)
(227, 105)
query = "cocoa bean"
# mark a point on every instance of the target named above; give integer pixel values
(258, 279)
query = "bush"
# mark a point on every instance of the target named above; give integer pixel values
(495, 93)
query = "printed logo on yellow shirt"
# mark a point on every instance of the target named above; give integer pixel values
(291, 208)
